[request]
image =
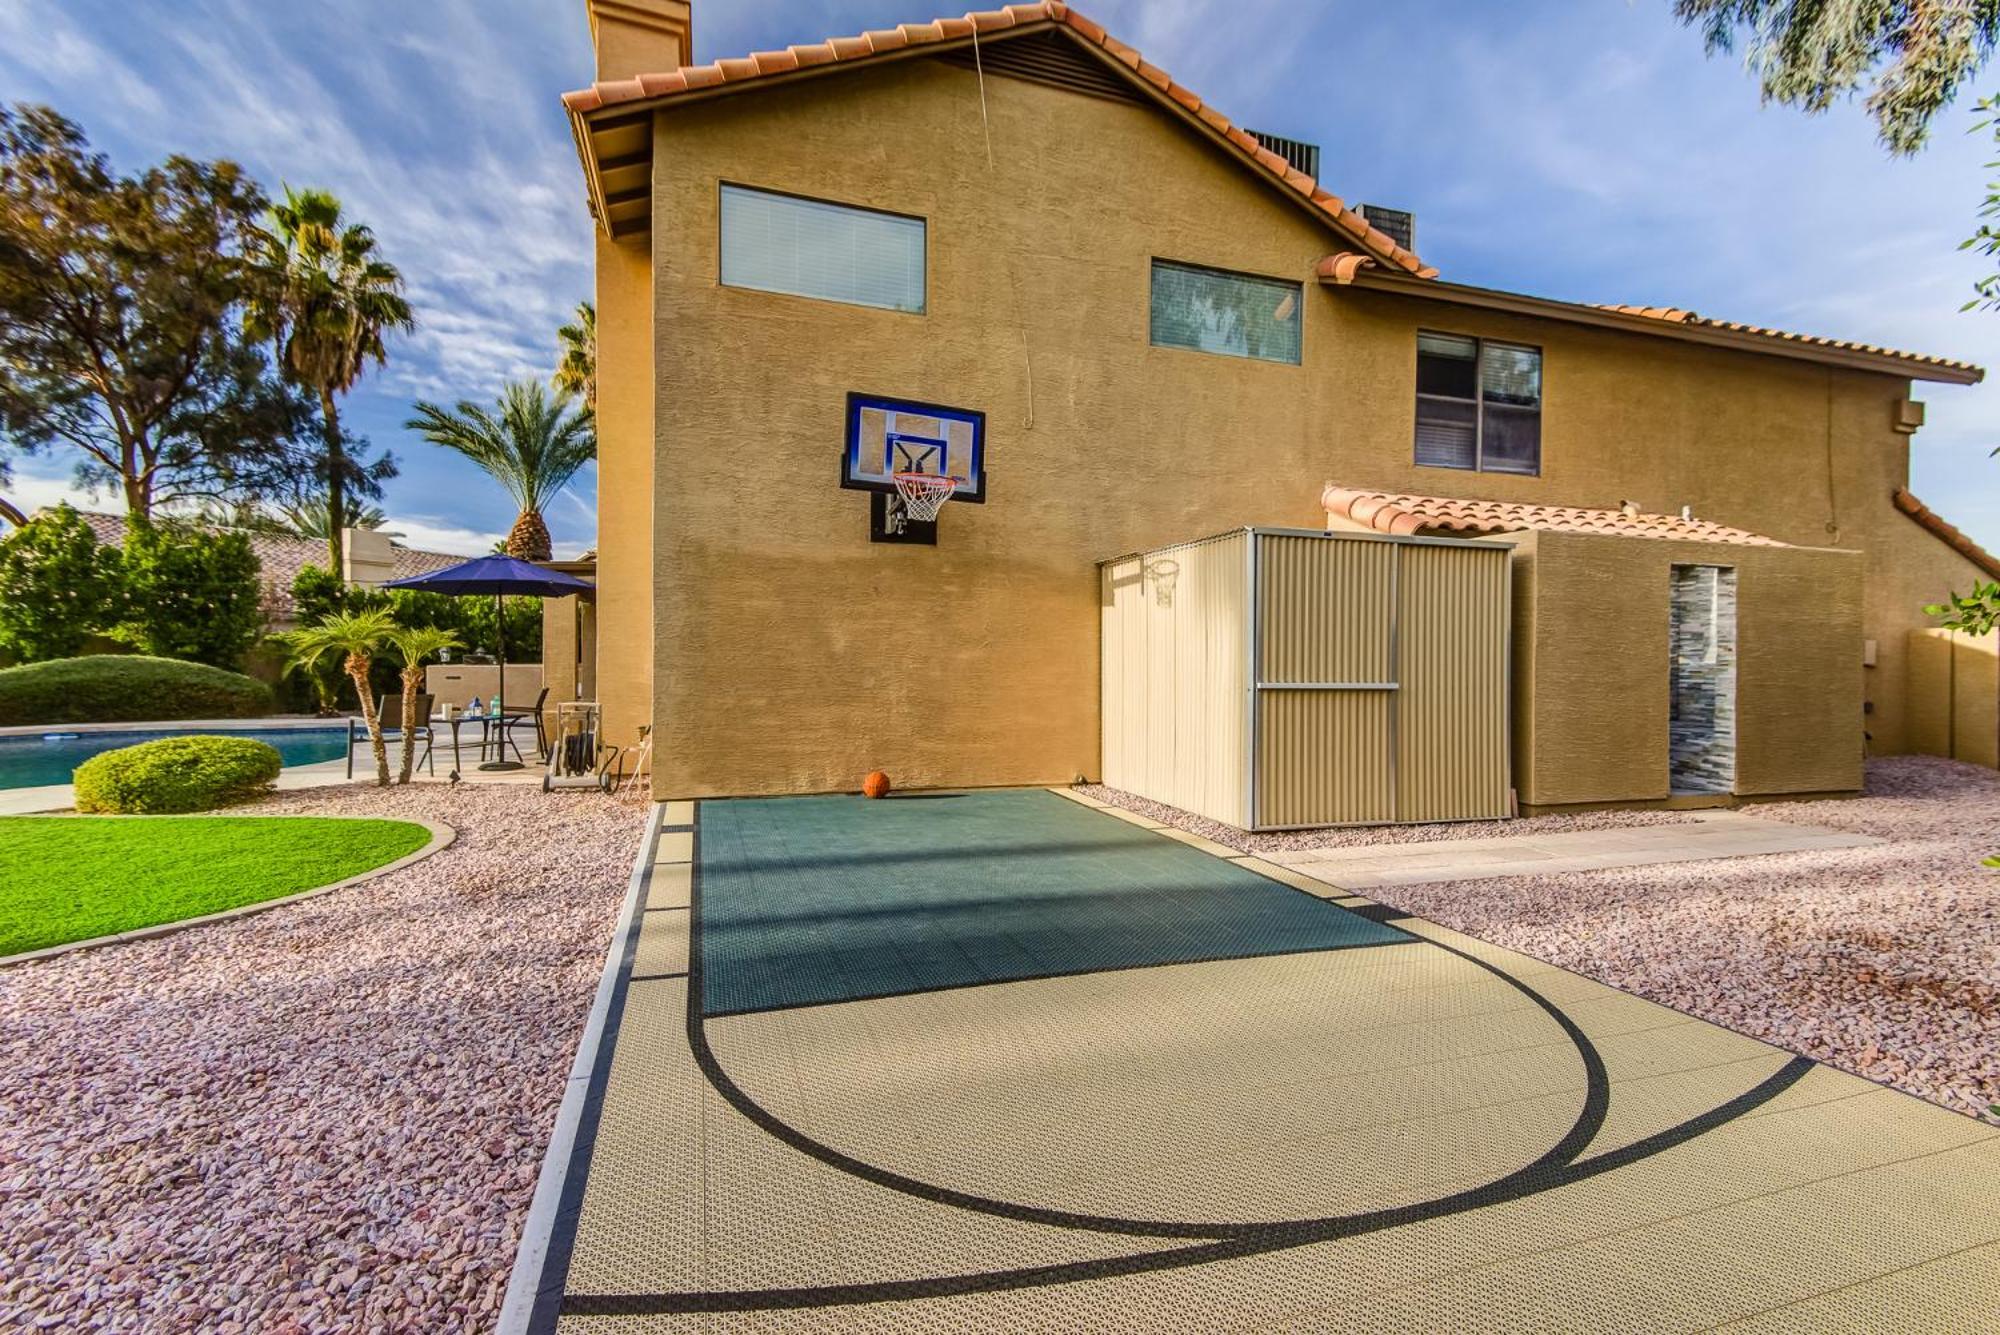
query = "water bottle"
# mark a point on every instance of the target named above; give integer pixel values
(475, 708)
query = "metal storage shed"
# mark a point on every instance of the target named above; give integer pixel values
(1289, 678)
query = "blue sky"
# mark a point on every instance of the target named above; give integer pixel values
(1582, 151)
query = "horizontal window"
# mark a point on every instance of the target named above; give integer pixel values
(1479, 404)
(1207, 310)
(781, 243)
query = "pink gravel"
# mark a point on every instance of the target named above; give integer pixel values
(1358, 836)
(1883, 961)
(328, 1117)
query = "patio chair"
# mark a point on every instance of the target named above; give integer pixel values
(389, 709)
(517, 715)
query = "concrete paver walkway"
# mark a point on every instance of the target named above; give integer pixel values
(1720, 835)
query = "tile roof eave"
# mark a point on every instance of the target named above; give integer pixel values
(1668, 322)
(769, 69)
(1945, 531)
(1404, 514)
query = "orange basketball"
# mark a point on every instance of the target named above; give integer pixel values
(875, 785)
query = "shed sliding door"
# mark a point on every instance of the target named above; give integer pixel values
(1381, 682)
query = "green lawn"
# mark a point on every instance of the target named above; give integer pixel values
(69, 878)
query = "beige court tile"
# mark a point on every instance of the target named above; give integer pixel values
(675, 846)
(663, 945)
(1132, 818)
(671, 886)
(1208, 846)
(1958, 1292)
(677, 812)
(1081, 799)
(641, 1227)
(1298, 880)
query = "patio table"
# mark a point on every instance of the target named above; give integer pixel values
(488, 736)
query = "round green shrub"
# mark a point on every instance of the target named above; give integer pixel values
(176, 774)
(126, 688)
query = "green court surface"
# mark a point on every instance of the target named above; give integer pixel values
(1005, 1062)
(823, 899)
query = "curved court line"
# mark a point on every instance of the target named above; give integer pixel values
(1589, 1119)
(1274, 1238)
(1558, 1167)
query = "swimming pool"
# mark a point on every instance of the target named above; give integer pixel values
(52, 757)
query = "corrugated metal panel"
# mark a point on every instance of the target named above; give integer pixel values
(1381, 692)
(1323, 758)
(1451, 735)
(1324, 609)
(1175, 659)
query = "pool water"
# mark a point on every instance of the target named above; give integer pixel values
(35, 760)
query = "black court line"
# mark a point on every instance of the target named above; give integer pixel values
(1558, 1167)
(1387, 913)
(655, 977)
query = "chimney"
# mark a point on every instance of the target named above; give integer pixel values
(633, 37)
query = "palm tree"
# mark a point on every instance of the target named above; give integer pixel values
(325, 300)
(576, 371)
(356, 636)
(413, 644)
(313, 518)
(532, 447)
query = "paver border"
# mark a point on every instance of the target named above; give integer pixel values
(442, 837)
(559, 1186)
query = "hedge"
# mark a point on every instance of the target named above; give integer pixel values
(126, 688)
(176, 774)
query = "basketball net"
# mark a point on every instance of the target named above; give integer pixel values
(924, 494)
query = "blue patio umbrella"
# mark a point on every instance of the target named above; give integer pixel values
(499, 576)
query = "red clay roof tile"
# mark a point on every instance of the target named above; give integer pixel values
(695, 78)
(1676, 315)
(1399, 513)
(1946, 532)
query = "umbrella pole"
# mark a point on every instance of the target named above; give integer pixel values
(500, 760)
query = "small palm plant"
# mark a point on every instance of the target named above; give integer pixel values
(357, 637)
(532, 446)
(414, 644)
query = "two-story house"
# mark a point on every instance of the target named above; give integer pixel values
(1007, 249)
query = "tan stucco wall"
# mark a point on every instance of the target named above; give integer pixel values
(794, 655)
(1591, 667)
(1954, 694)
(626, 431)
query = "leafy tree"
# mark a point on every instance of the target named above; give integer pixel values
(58, 587)
(576, 366)
(191, 593)
(414, 644)
(1914, 55)
(355, 637)
(1975, 613)
(326, 300)
(532, 447)
(118, 331)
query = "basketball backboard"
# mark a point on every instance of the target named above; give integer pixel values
(889, 436)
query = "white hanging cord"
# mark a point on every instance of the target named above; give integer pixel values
(986, 129)
(985, 126)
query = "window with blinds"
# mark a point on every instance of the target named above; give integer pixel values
(1479, 404)
(1237, 315)
(781, 243)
